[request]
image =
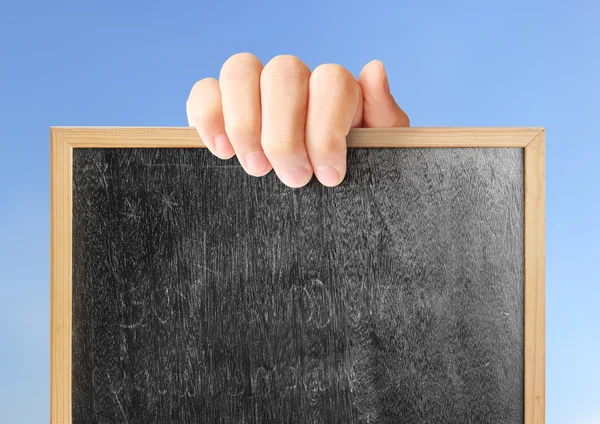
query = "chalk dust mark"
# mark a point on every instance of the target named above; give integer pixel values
(116, 394)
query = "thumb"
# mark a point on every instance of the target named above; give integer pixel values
(380, 108)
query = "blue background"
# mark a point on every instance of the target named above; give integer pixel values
(460, 63)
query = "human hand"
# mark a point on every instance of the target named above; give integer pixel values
(283, 117)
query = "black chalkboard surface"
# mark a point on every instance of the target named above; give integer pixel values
(203, 295)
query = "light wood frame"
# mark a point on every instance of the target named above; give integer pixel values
(64, 139)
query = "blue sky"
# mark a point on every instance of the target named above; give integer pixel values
(461, 63)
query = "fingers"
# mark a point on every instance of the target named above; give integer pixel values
(380, 108)
(240, 93)
(284, 96)
(282, 117)
(334, 106)
(204, 111)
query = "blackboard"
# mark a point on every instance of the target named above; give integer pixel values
(202, 294)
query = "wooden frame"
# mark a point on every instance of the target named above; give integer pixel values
(64, 139)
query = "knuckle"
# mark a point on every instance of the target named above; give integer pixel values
(206, 118)
(330, 144)
(199, 105)
(281, 147)
(332, 76)
(199, 88)
(237, 62)
(241, 127)
(285, 67)
(327, 145)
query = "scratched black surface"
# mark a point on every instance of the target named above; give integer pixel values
(204, 295)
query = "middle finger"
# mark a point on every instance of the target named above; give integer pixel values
(284, 95)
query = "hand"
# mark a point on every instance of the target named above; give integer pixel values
(283, 117)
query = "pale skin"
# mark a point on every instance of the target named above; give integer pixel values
(283, 117)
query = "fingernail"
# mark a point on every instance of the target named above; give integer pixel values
(223, 146)
(327, 175)
(295, 176)
(257, 162)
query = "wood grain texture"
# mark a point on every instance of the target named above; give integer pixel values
(201, 294)
(61, 155)
(535, 310)
(134, 137)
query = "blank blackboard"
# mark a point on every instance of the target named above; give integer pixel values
(411, 293)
